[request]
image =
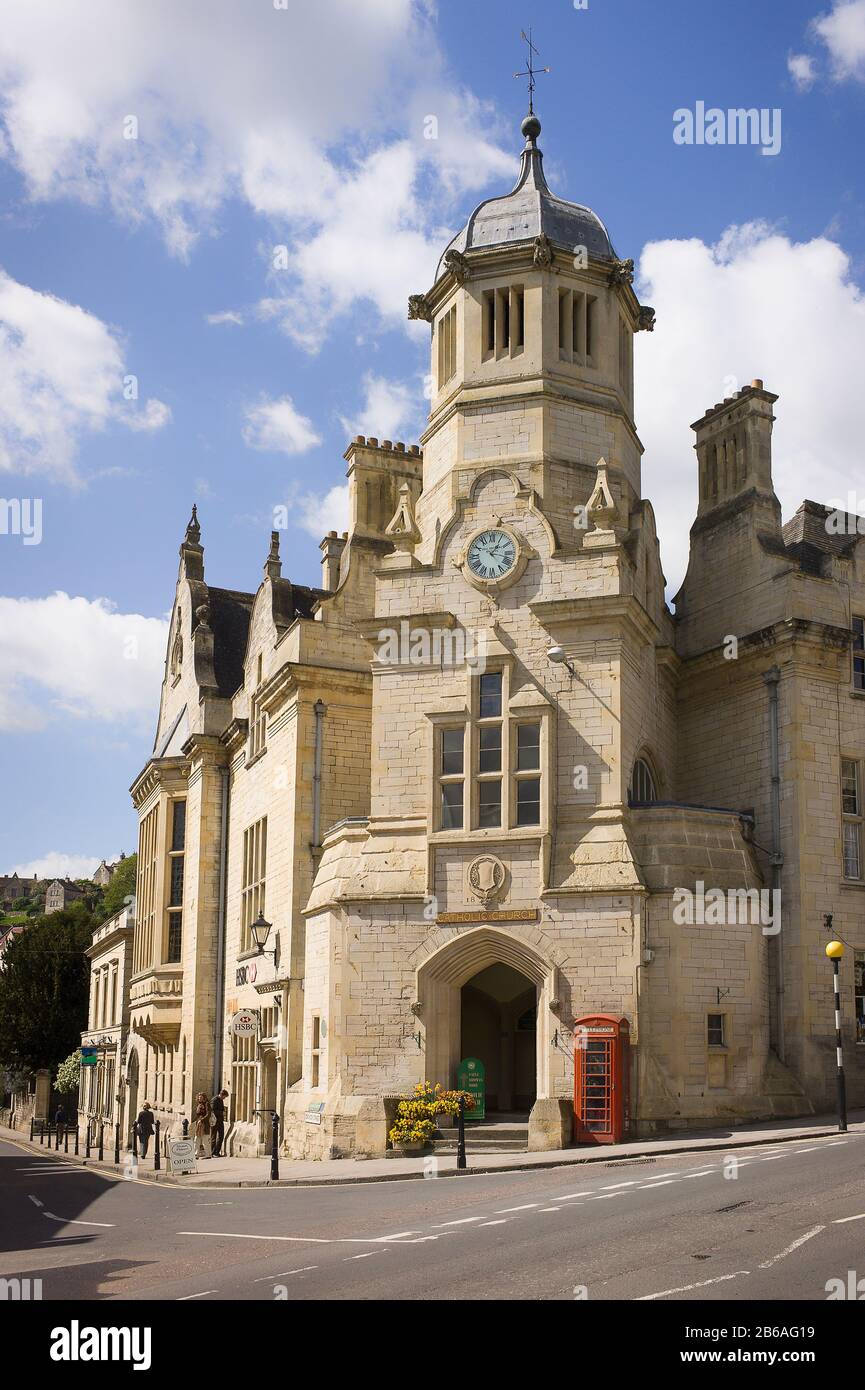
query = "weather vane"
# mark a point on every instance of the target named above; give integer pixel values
(530, 69)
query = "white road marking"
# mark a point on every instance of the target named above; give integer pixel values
(497, 1223)
(834, 1144)
(569, 1196)
(36, 1202)
(243, 1235)
(647, 1186)
(703, 1173)
(605, 1196)
(767, 1264)
(608, 1187)
(464, 1221)
(549, 1209)
(187, 1296)
(68, 1221)
(269, 1278)
(526, 1207)
(400, 1234)
(367, 1255)
(685, 1288)
(840, 1220)
(811, 1150)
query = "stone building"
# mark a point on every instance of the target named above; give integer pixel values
(108, 1090)
(60, 893)
(483, 783)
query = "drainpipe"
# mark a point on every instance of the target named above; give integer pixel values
(772, 678)
(218, 1078)
(319, 709)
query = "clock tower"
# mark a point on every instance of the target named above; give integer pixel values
(509, 877)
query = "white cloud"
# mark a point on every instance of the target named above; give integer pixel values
(56, 864)
(803, 70)
(61, 376)
(318, 514)
(224, 316)
(78, 657)
(154, 415)
(843, 32)
(275, 425)
(389, 409)
(337, 158)
(753, 305)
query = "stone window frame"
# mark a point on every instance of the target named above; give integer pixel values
(724, 1044)
(516, 710)
(857, 653)
(253, 881)
(173, 914)
(853, 819)
(257, 718)
(645, 758)
(503, 322)
(316, 1051)
(446, 346)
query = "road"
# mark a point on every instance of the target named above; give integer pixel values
(776, 1222)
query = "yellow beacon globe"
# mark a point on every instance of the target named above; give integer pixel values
(835, 950)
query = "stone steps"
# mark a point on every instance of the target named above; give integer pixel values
(487, 1136)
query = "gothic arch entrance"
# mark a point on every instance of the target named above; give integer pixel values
(483, 982)
(132, 1094)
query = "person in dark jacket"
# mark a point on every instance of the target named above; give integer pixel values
(60, 1117)
(144, 1127)
(217, 1134)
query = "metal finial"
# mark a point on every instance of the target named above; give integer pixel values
(530, 68)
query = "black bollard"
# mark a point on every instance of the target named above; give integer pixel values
(156, 1155)
(461, 1134)
(87, 1139)
(186, 1129)
(32, 1122)
(42, 1132)
(134, 1140)
(76, 1139)
(65, 1139)
(274, 1149)
(57, 1139)
(117, 1144)
(101, 1142)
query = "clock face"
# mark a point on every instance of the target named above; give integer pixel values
(492, 554)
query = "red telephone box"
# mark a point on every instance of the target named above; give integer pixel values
(601, 1068)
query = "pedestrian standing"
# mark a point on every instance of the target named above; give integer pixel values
(60, 1117)
(203, 1120)
(144, 1127)
(217, 1105)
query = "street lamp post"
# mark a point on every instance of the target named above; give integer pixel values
(835, 950)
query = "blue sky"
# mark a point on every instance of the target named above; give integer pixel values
(303, 128)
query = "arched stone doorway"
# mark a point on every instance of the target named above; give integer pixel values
(132, 1096)
(461, 991)
(498, 1017)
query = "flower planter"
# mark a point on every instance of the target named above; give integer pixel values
(410, 1150)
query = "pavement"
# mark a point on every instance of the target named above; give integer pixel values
(255, 1172)
(738, 1221)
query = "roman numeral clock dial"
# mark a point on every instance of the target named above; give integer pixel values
(493, 558)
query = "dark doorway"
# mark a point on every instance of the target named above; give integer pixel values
(498, 1025)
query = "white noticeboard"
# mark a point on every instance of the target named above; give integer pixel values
(181, 1156)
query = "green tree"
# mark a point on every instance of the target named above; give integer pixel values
(44, 989)
(68, 1074)
(120, 889)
